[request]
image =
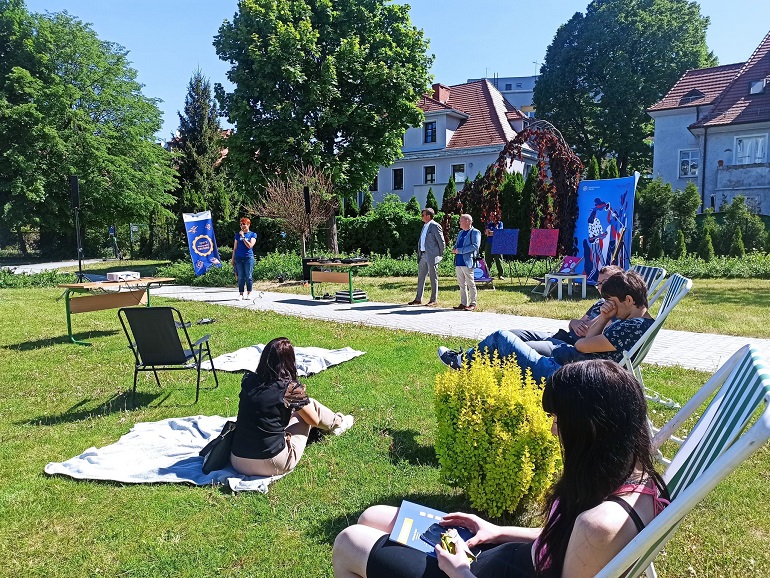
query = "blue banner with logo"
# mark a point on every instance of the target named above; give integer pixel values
(604, 226)
(201, 240)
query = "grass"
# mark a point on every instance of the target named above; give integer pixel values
(57, 399)
(724, 306)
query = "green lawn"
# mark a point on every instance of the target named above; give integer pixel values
(57, 399)
(725, 306)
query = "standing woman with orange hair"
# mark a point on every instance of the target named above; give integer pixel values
(243, 256)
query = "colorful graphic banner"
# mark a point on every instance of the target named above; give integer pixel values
(201, 240)
(604, 226)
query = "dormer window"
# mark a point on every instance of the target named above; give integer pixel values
(691, 96)
(429, 129)
(757, 86)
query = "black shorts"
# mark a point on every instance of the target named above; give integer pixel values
(393, 560)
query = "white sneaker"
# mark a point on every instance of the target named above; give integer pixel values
(345, 425)
(248, 296)
(241, 297)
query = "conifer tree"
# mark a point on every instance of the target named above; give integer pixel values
(367, 204)
(430, 201)
(737, 248)
(611, 169)
(706, 247)
(202, 184)
(413, 207)
(450, 192)
(593, 174)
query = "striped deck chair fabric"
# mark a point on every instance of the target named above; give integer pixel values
(676, 288)
(717, 445)
(653, 277)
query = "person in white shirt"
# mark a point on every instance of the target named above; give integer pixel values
(430, 251)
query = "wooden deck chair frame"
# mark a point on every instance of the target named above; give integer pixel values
(653, 278)
(154, 337)
(713, 450)
(675, 288)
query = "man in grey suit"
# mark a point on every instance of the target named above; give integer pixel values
(430, 251)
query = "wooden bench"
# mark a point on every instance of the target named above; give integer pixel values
(344, 278)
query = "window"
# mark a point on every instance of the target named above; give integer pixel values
(688, 163)
(430, 131)
(458, 173)
(398, 179)
(430, 175)
(691, 96)
(518, 85)
(375, 184)
(508, 86)
(750, 149)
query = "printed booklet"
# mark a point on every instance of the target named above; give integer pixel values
(413, 520)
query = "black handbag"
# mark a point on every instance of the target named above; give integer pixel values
(216, 453)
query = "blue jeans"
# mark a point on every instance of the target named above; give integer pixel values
(507, 344)
(243, 268)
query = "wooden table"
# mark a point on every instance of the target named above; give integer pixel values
(560, 279)
(346, 277)
(98, 295)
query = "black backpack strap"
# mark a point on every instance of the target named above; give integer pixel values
(629, 510)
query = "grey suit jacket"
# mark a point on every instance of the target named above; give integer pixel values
(434, 243)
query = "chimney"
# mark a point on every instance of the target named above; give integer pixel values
(441, 93)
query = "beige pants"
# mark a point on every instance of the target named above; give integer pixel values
(296, 440)
(467, 285)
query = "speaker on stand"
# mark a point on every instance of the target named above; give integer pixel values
(75, 200)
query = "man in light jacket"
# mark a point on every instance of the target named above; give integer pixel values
(466, 251)
(430, 251)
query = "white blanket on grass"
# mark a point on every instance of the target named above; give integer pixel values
(163, 451)
(310, 360)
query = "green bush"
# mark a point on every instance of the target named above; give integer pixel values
(388, 228)
(184, 274)
(9, 280)
(493, 438)
(754, 265)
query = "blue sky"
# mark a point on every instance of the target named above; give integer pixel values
(168, 39)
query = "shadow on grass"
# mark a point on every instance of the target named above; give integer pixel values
(405, 448)
(84, 409)
(49, 341)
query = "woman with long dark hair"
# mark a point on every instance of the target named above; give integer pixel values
(608, 491)
(275, 415)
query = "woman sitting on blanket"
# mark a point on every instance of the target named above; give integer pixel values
(607, 492)
(275, 415)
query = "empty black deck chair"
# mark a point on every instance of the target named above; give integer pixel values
(155, 337)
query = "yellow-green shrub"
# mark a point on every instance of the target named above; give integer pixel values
(494, 439)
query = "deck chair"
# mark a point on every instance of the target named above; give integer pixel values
(675, 288)
(155, 337)
(566, 267)
(481, 273)
(717, 445)
(653, 277)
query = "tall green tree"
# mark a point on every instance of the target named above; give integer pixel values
(592, 173)
(70, 104)
(605, 68)
(430, 200)
(202, 180)
(330, 85)
(684, 207)
(611, 169)
(653, 211)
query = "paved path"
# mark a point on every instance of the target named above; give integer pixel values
(704, 351)
(40, 267)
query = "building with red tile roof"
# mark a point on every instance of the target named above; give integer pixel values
(712, 129)
(465, 128)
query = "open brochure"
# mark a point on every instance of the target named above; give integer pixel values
(413, 520)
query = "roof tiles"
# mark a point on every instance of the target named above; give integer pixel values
(488, 114)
